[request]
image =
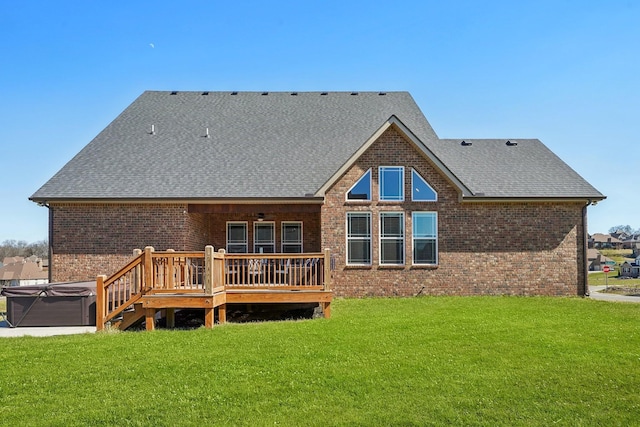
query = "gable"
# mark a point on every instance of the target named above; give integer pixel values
(390, 127)
(392, 149)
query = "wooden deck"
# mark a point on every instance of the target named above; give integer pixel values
(210, 280)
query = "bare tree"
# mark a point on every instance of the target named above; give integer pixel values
(11, 248)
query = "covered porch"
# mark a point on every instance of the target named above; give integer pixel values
(209, 280)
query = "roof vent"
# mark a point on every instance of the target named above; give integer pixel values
(174, 93)
(206, 134)
(264, 93)
(294, 93)
(354, 93)
(234, 93)
(466, 144)
(324, 93)
(511, 144)
(153, 130)
(205, 93)
(382, 93)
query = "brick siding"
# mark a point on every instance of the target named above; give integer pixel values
(521, 248)
(92, 239)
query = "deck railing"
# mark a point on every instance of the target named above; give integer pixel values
(275, 271)
(207, 272)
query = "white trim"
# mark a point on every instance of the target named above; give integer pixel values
(413, 170)
(257, 224)
(381, 238)
(380, 184)
(346, 195)
(394, 121)
(346, 236)
(437, 238)
(246, 235)
(282, 240)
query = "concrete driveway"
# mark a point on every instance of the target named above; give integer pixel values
(594, 293)
(6, 331)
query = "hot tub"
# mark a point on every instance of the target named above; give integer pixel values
(53, 304)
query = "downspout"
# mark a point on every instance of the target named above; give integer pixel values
(50, 271)
(585, 268)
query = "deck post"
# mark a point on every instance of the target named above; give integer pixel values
(137, 278)
(148, 268)
(326, 309)
(100, 302)
(327, 269)
(171, 317)
(208, 270)
(209, 316)
(150, 318)
(222, 313)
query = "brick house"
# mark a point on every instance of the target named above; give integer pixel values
(402, 211)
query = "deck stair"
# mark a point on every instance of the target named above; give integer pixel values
(171, 280)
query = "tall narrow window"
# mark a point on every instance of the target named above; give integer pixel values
(391, 238)
(391, 183)
(425, 238)
(237, 237)
(359, 238)
(264, 239)
(361, 190)
(421, 191)
(291, 237)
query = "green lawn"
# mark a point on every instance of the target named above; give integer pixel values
(492, 361)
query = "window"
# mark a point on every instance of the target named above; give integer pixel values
(391, 238)
(264, 239)
(391, 183)
(291, 237)
(425, 238)
(237, 237)
(358, 238)
(361, 190)
(421, 191)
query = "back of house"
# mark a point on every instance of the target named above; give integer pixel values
(362, 174)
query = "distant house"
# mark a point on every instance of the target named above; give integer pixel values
(18, 271)
(595, 260)
(361, 174)
(604, 241)
(630, 268)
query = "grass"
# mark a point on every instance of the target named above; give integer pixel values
(486, 361)
(618, 255)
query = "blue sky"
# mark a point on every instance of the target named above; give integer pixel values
(565, 72)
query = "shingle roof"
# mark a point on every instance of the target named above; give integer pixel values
(280, 145)
(274, 145)
(515, 168)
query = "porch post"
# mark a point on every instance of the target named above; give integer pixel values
(208, 270)
(148, 268)
(327, 269)
(100, 302)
